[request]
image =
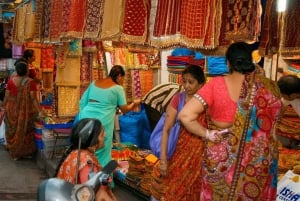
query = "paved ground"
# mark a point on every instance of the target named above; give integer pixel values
(19, 180)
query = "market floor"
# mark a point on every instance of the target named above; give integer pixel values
(19, 180)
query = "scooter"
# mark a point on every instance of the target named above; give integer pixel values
(55, 189)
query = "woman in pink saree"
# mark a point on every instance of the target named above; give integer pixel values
(240, 164)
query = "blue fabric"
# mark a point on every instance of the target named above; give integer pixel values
(198, 56)
(217, 65)
(155, 138)
(182, 52)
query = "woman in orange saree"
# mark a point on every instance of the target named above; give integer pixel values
(179, 177)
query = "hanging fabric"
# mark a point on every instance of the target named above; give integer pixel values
(56, 20)
(93, 21)
(136, 21)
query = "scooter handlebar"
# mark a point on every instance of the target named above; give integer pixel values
(103, 176)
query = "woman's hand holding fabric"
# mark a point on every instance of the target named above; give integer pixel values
(216, 135)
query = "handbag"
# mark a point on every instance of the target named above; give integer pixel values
(155, 138)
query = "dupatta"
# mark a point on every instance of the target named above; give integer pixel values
(244, 165)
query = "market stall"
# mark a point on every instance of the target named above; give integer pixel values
(77, 42)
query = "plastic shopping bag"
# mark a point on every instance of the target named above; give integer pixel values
(2, 128)
(288, 187)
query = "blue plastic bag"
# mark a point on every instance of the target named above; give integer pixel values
(135, 128)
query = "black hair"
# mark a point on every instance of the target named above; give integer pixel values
(88, 126)
(196, 72)
(21, 68)
(239, 56)
(115, 72)
(88, 130)
(289, 84)
(28, 53)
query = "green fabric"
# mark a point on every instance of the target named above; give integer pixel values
(103, 108)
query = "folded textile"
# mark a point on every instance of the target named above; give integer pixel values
(217, 65)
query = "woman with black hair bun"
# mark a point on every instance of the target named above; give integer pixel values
(87, 136)
(240, 157)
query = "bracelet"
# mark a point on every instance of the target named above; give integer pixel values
(207, 134)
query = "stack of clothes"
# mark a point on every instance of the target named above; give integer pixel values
(136, 171)
(288, 128)
(150, 161)
(289, 159)
(176, 64)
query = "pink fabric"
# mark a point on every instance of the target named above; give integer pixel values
(175, 101)
(17, 51)
(223, 110)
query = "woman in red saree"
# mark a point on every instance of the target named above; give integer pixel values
(21, 111)
(241, 164)
(179, 178)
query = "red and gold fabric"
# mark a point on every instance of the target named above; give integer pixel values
(199, 21)
(269, 39)
(136, 21)
(183, 182)
(244, 165)
(242, 20)
(56, 20)
(165, 23)
(94, 15)
(73, 18)
(290, 46)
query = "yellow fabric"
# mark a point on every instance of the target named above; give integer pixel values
(69, 74)
(29, 23)
(112, 21)
(68, 98)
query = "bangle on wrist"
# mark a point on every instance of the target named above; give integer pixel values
(207, 134)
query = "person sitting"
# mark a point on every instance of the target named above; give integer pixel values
(86, 137)
(289, 86)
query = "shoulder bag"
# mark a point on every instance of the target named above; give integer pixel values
(155, 138)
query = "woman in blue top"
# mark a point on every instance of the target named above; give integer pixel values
(100, 101)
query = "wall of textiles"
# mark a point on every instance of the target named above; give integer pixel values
(141, 64)
(160, 23)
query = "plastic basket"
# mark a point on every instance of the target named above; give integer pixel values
(55, 147)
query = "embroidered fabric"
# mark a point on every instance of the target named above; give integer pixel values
(201, 100)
